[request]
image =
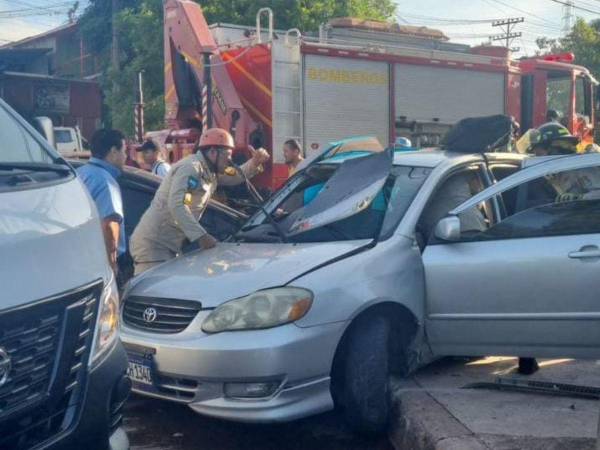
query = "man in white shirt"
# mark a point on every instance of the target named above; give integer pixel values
(152, 157)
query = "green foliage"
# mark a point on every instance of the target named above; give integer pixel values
(141, 42)
(583, 41)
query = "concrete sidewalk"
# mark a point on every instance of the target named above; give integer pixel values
(433, 412)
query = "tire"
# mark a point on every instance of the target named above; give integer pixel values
(366, 376)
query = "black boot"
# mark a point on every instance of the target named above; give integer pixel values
(528, 366)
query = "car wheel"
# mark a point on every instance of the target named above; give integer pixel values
(366, 375)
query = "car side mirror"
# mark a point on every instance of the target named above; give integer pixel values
(448, 229)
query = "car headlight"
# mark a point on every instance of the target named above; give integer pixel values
(262, 309)
(107, 324)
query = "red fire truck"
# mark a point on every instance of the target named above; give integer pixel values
(352, 78)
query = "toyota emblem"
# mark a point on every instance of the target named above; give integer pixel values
(150, 315)
(5, 366)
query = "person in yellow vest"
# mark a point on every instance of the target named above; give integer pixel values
(292, 153)
(174, 214)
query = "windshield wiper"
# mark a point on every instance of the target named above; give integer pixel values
(35, 167)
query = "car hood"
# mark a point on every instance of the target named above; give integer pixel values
(233, 270)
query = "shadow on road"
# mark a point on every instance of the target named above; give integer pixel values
(154, 424)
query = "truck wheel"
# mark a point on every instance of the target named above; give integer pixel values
(366, 376)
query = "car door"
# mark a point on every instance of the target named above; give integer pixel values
(527, 285)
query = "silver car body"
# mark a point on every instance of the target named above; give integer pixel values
(513, 297)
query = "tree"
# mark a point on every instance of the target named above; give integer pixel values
(583, 41)
(141, 41)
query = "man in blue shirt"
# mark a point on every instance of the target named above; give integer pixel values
(100, 177)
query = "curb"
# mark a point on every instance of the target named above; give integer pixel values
(422, 423)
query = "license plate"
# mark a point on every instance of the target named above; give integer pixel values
(140, 369)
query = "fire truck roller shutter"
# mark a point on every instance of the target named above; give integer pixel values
(344, 97)
(424, 93)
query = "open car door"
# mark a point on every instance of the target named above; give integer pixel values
(527, 284)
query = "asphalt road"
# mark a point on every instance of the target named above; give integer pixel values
(158, 425)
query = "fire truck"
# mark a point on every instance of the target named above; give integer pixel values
(354, 77)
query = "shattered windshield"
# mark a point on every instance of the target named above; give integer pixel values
(359, 198)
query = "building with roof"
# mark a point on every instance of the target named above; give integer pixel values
(51, 74)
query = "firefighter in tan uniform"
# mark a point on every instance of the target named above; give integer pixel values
(182, 197)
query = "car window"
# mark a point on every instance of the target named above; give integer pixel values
(454, 191)
(558, 92)
(17, 144)
(62, 136)
(500, 172)
(561, 203)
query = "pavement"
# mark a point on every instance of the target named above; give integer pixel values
(433, 412)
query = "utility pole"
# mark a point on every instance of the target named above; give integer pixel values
(115, 41)
(567, 16)
(139, 110)
(507, 25)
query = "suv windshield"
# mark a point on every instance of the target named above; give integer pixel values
(23, 158)
(375, 220)
(17, 144)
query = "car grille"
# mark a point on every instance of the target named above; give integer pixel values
(48, 343)
(162, 315)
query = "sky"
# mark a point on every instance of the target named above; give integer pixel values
(457, 18)
(454, 17)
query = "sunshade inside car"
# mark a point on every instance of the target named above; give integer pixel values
(351, 189)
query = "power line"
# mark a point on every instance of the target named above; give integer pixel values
(449, 20)
(528, 13)
(576, 7)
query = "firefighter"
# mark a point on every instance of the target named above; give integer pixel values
(292, 154)
(173, 216)
(555, 139)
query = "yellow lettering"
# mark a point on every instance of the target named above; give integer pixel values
(339, 76)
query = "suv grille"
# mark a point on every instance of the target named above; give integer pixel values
(48, 343)
(162, 315)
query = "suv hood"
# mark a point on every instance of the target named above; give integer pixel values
(50, 242)
(233, 270)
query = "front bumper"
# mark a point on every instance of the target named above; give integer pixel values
(193, 368)
(99, 419)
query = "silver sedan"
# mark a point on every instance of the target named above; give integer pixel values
(371, 262)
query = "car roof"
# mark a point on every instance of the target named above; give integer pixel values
(428, 157)
(433, 157)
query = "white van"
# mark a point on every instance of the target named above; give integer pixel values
(62, 366)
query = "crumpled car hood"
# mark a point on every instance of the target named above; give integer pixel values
(233, 270)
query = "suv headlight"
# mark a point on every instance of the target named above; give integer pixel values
(263, 309)
(107, 324)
